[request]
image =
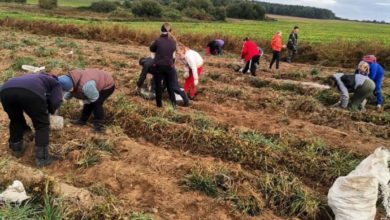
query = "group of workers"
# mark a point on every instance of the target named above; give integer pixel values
(40, 95)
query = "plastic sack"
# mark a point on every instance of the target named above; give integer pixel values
(56, 122)
(14, 193)
(33, 69)
(354, 197)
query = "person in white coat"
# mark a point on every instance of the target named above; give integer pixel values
(194, 67)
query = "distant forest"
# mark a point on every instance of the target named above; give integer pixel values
(298, 11)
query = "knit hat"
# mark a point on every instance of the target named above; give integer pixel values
(66, 83)
(369, 58)
(364, 68)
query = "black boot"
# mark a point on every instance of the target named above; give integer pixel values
(42, 156)
(98, 126)
(17, 149)
(79, 122)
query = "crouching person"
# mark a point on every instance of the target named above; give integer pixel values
(251, 56)
(194, 67)
(359, 84)
(92, 86)
(147, 68)
(38, 95)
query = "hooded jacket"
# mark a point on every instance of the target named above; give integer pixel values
(249, 50)
(45, 86)
(347, 84)
(89, 82)
(276, 43)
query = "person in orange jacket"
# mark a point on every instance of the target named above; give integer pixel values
(276, 46)
(251, 56)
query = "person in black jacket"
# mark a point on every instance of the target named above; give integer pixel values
(147, 67)
(292, 44)
(37, 95)
(164, 49)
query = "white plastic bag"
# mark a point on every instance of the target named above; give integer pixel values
(354, 197)
(14, 193)
(56, 122)
(33, 69)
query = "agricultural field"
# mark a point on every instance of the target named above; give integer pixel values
(313, 31)
(248, 148)
(265, 147)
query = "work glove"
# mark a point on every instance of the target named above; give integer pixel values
(86, 102)
(337, 105)
(186, 74)
(196, 82)
(242, 61)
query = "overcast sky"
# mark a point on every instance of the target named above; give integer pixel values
(351, 9)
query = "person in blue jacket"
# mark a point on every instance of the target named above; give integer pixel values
(37, 95)
(376, 74)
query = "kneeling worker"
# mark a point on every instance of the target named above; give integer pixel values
(92, 86)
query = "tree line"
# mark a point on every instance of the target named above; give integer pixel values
(298, 11)
(217, 10)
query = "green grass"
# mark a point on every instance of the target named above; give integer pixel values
(69, 3)
(312, 30)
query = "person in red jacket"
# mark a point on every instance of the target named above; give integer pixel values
(276, 46)
(251, 55)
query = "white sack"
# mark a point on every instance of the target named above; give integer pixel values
(14, 193)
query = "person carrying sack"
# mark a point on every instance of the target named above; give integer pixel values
(37, 95)
(94, 87)
(359, 84)
(251, 56)
(193, 69)
(164, 49)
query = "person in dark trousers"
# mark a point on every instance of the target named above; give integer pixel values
(164, 49)
(359, 84)
(147, 66)
(37, 95)
(276, 45)
(94, 87)
(215, 47)
(251, 56)
(292, 44)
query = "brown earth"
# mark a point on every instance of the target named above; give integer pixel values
(146, 177)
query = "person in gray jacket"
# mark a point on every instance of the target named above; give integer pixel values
(359, 84)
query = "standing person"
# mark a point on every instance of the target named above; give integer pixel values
(164, 49)
(292, 44)
(376, 74)
(251, 56)
(194, 66)
(147, 64)
(38, 95)
(215, 47)
(94, 87)
(276, 45)
(359, 84)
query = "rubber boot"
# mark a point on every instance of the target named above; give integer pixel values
(17, 148)
(42, 156)
(78, 122)
(98, 126)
